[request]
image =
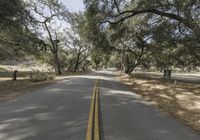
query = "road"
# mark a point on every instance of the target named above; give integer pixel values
(61, 111)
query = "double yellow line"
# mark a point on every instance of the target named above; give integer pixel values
(93, 132)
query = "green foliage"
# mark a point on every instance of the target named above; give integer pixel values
(147, 33)
(13, 13)
(120, 33)
(16, 39)
(116, 60)
(96, 58)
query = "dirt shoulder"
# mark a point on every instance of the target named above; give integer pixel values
(179, 99)
(11, 89)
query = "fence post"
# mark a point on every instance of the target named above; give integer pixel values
(167, 74)
(14, 77)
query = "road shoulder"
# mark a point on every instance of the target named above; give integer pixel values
(11, 89)
(182, 101)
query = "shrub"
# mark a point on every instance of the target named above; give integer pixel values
(42, 76)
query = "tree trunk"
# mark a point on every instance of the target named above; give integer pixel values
(130, 69)
(77, 63)
(54, 49)
(76, 67)
(121, 67)
(57, 64)
(127, 64)
(96, 67)
(127, 70)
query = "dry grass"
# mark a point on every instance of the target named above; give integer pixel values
(10, 89)
(181, 100)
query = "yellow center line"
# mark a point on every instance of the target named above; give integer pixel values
(93, 122)
(96, 121)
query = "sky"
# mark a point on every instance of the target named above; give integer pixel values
(74, 5)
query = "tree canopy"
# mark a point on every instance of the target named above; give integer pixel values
(149, 34)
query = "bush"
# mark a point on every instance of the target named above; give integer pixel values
(42, 76)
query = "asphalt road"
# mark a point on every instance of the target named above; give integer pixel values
(125, 116)
(60, 112)
(57, 112)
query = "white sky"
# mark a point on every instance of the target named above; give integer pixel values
(74, 5)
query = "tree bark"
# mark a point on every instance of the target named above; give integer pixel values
(77, 63)
(57, 64)
(54, 50)
(189, 23)
(130, 68)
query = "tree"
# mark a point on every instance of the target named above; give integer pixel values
(76, 39)
(13, 14)
(19, 43)
(47, 26)
(15, 37)
(185, 12)
(79, 49)
(163, 28)
(96, 35)
(132, 41)
(96, 58)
